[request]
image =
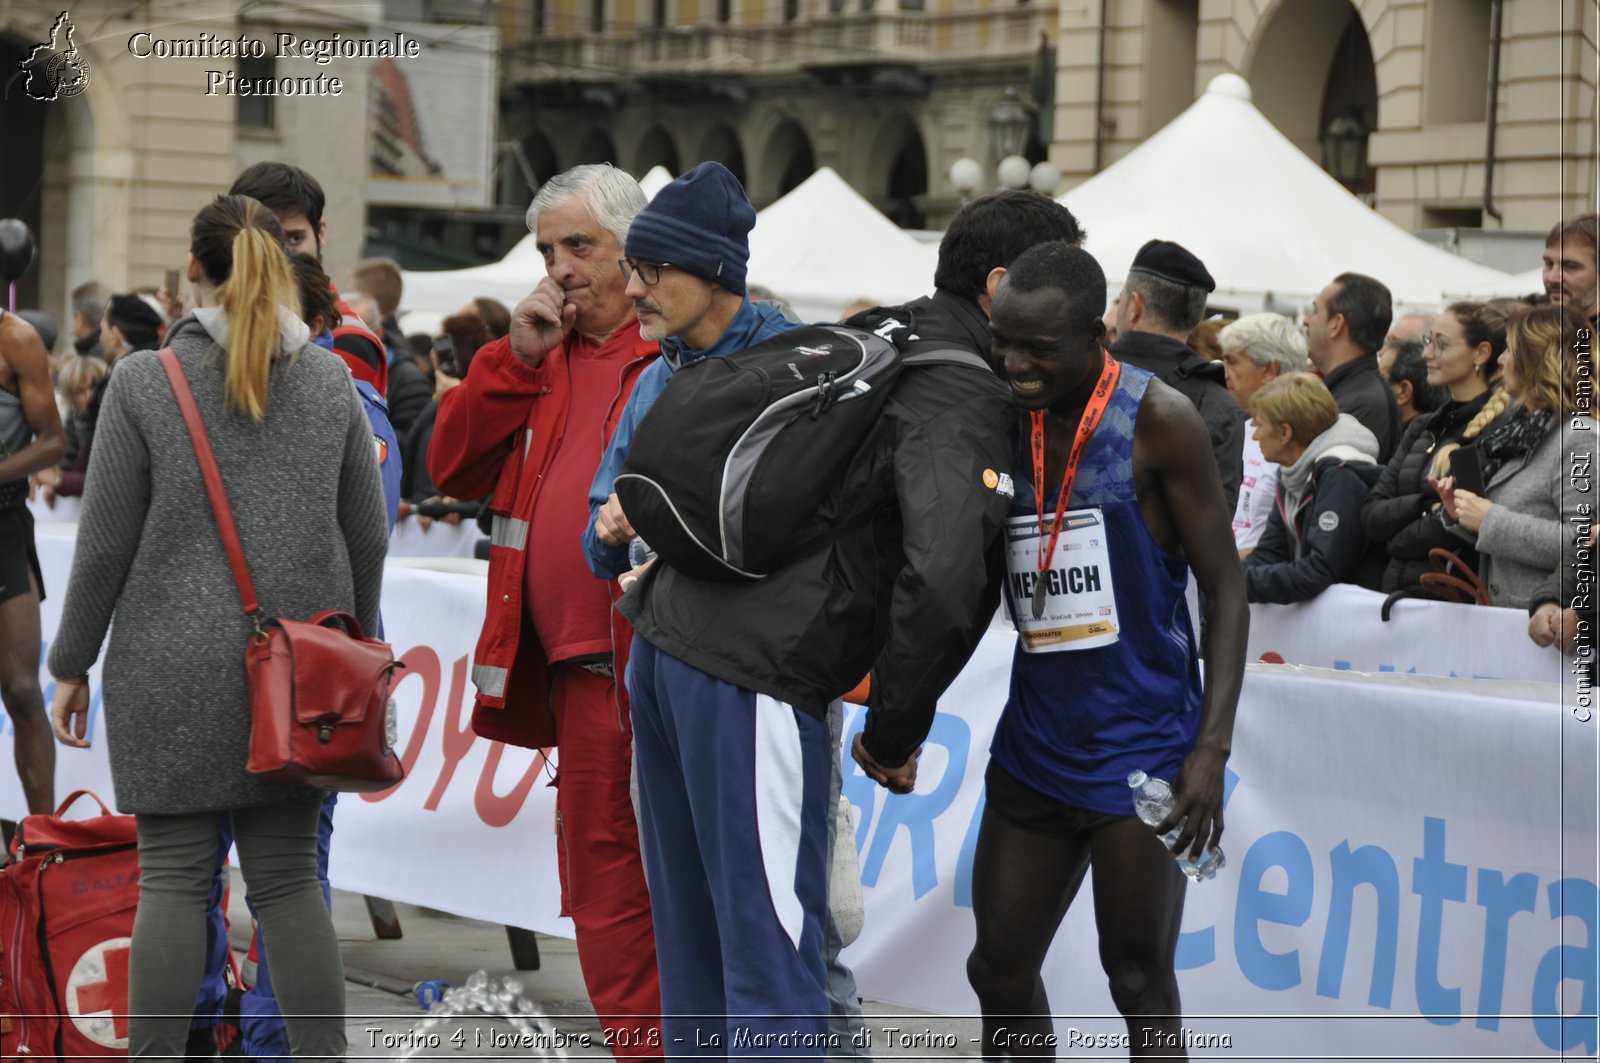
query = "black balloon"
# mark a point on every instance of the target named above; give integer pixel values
(16, 249)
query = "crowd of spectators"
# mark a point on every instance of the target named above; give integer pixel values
(1424, 454)
(106, 325)
(1440, 455)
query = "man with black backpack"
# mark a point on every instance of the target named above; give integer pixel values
(732, 680)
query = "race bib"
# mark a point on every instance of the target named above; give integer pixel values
(1077, 609)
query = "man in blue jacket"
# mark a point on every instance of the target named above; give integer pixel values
(686, 260)
(687, 252)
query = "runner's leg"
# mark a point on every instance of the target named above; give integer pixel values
(1138, 908)
(35, 747)
(1022, 884)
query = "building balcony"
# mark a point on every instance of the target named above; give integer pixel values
(807, 45)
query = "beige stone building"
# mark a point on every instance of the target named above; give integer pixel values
(891, 94)
(1414, 73)
(110, 178)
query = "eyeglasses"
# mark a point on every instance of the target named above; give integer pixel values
(649, 272)
(1439, 342)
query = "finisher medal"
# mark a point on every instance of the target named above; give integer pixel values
(1039, 590)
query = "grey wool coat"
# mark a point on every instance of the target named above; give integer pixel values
(1538, 507)
(305, 492)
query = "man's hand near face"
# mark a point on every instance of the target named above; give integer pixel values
(540, 322)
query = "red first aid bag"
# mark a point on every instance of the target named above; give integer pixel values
(67, 899)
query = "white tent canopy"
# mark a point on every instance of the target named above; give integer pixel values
(1223, 182)
(1514, 284)
(446, 291)
(824, 245)
(654, 181)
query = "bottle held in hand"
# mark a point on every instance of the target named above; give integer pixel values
(1153, 801)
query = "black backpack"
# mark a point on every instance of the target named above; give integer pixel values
(739, 450)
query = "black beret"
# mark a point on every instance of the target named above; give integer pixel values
(1173, 262)
(133, 310)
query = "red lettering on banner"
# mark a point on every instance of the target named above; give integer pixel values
(493, 809)
(422, 662)
(456, 739)
(110, 994)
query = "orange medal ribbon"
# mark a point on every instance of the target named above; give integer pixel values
(1098, 401)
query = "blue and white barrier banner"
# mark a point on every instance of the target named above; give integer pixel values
(1411, 861)
(1342, 628)
(1411, 871)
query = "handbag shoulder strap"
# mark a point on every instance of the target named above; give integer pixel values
(213, 480)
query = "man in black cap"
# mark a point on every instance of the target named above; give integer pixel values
(1163, 300)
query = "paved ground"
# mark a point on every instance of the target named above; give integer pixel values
(386, 1022)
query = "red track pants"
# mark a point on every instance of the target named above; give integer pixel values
(602, 873)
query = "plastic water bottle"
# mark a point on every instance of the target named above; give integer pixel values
(1152, 800)
(639, 552)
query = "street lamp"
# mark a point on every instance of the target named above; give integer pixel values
(1344, 152)
(1009, 123)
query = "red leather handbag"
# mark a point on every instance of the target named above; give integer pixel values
(320, 712)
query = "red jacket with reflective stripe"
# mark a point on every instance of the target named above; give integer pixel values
(498, 432)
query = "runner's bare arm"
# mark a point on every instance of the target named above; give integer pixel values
(1175, 442)
(21, 349)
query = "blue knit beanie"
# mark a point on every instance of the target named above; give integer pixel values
(699, 223)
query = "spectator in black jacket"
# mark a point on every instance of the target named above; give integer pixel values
(409, 393)
(1403, 514)
(129, 323)
(88, 310)
(1163, 300)
(901, 584)
(1402, 366)
(1345, 326)
(1326, 467)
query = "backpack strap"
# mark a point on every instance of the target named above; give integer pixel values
(935, 352)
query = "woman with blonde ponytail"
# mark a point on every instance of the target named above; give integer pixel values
(1530, 457)
(1403, 513)
(295, 452)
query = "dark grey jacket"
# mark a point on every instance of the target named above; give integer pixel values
(1530, 534)
(1203, 383)
(908, 581)
(1359, 389)
(305, 492)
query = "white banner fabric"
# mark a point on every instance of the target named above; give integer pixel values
(1342, 628)
(1397, 847)
(408, 538)
(1411, 861)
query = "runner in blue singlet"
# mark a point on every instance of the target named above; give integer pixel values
(1106, 678)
